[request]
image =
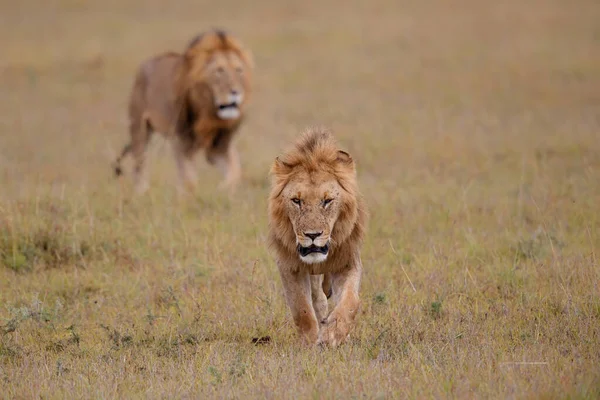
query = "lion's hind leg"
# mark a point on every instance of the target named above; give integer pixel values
(186, 169)
(223, 154)
(141, 131)
(117, 164)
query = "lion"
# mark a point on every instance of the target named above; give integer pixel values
(317, 221)
(197, 101)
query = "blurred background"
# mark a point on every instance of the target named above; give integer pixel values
(400, 81)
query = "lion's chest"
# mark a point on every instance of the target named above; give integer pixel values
(334, 264)
(210, 133)
(316, 270)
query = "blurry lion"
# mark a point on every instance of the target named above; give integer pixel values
(317, 221)
(195, 99)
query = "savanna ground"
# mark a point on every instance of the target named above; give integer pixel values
(476, 130)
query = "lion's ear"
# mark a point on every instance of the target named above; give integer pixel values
(281, 167)
(344, 158)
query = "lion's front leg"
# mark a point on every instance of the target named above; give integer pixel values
(340, 322)
(187, 177)
(319, 299)
(222, 153)
(231, 168)
(297, 289)
(228, 162)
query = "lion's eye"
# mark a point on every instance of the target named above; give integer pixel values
(326, 202)
(296, 201)
(220, 70)
(239, 70)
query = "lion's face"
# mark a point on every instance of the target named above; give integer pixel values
(225, 73)
(312, 202)
(217, 67)
(314, 205)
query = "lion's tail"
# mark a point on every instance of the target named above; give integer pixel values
(117, 164)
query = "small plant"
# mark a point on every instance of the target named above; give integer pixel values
(435, 309)
(35, 311)
(380, 298)
(536, 246)
(8, 352)
(214, 372)
(16, 261)
(118, 340)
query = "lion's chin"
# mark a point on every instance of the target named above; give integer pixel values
(229, 111)
(313, 254)
(314, 258)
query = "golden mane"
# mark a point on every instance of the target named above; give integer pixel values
(205, 44)
(316, 150)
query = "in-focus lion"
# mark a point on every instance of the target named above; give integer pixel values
(197, 100)
(317, 221)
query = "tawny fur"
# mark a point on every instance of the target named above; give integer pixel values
(179, 96)
(314, 189)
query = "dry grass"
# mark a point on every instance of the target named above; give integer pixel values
(476, 129)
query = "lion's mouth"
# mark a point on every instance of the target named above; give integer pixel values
(304, 251)
(228, 110)
(228, 105)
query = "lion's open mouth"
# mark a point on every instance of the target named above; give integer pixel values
(228, 105)
(228, 110)
(304, 251)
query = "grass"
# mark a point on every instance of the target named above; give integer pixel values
(475, 128)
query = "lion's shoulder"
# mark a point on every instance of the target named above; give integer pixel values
(162, 64)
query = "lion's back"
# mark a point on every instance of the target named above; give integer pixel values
(153, 94)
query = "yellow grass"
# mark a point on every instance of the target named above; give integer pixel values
(476, 130)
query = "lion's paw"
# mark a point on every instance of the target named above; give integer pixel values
(332, 335)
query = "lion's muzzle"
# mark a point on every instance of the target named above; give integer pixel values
(304, 251)
(230, 109)
(313, 254)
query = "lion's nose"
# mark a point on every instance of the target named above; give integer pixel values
(235, 96)
(313, 235)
